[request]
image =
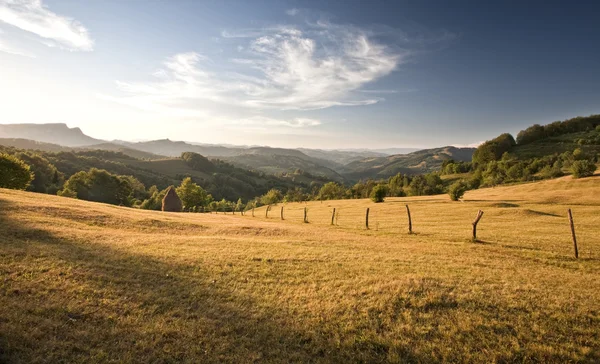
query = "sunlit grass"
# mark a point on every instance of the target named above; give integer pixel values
(86, 282)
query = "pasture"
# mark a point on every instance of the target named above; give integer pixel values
(87, 282)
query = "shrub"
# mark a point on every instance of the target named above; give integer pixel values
(583, 168)
(457, 190)
(14, 173)
(378, 193)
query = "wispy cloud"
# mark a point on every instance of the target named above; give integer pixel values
(55, 30)
(262, 121)
(292, 11)
(281, 68)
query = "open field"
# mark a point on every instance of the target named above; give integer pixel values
(87, 282)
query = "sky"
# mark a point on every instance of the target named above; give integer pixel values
(315, 74)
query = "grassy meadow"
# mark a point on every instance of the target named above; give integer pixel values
(87, 282)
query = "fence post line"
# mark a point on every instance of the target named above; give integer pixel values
(305, 217)
(333, 216)
(367, 219)
(253, 211)
(573, 234)
(281, 212)
(479, 216)
(267, 211)
(409, 220)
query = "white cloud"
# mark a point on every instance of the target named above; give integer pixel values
(34, 17)
(262, 121)
(7, 47)
(472, 145)
(283, 68)
(292, 12)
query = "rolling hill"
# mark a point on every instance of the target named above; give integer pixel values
(88, 282)
(422, 161)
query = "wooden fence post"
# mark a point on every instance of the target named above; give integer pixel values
(409, 220)
(367, 219)
(333, 216)
(573, 234)
(252, 211)
(281, 212)
(305, 217)
(267, 211)
(479, 216)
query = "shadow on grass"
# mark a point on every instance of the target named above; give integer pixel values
(66, 300)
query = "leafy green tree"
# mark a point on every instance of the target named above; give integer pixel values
(331, 191)
(14, 173)
(239, 205)
(154, 202)
(100, 186)
(396, 186)
(46, 178)
(583, 168)
(294, 195)
(492, 150)
(192, 195)
(457, 190)
(379, 192)
(272, 197)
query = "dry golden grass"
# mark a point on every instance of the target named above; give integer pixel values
(86, 282)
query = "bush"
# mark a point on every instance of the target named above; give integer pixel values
(14, 173)
(378, 193)
(457, 190)
(583, 168)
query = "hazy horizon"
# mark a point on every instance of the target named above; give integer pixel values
(297, 74)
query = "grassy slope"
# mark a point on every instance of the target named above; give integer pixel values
(86, 282)
(422, 161)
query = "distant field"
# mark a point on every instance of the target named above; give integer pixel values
(87, 282)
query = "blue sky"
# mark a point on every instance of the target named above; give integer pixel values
(339, 74)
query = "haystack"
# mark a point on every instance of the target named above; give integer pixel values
(171, 201)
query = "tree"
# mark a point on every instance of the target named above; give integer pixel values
(331, 191)
(294, 195)
(457, 190)
(154, 202)
(14, 173)
(272, 197)
(192, 195)
(379, 192)
(46, 178)
(239, 205)
(492, 150)
(100, 186)
(583, 168)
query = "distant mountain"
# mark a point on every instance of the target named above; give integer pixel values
(280, 160)
(422, 161)
(384, 151)
(340, 156)
(49, 147)
(32, 145)
(336, 165)
(174, 148)
(59, 134)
